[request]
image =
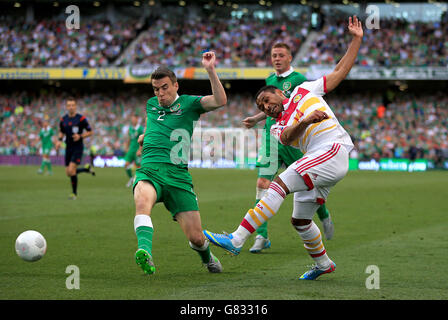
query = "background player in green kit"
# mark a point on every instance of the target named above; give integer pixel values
(46, 138)
(163, 176)
(286, 79)
(133, 155)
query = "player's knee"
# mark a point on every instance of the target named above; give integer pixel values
(300, 222)
(196, 238)
(282, 184)
(70, 171)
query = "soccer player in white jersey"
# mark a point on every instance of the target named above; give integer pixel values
(304, 121)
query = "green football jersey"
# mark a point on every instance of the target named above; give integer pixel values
(169, 130)
(46, 135)
(287, 85)
(134, 133)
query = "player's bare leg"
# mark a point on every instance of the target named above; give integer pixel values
(145, 197)
(190, 222)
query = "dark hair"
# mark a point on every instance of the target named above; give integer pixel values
(162, 72)
(282, 45)
(269, 88)
(71, 98)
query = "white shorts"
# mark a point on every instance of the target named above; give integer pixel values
(320, 171)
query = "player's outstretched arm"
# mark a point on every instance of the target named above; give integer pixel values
(218, 97)
(250, 122)
(348, 60)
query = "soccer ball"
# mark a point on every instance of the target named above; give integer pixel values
(31, 245)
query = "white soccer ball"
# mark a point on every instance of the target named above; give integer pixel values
(31, 245)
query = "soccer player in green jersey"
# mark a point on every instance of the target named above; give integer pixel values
(133, 155)
(163, 175)
(286, 79)
(46, 137)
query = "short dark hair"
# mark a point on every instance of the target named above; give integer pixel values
(282, 45)
(269, 88)
(70, 98)
(162, 72)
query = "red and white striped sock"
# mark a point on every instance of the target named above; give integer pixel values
(312, 241)
(265, 209)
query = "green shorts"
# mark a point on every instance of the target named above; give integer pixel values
(268, 166)
(46, 151)
(174, 186)
(131, 156)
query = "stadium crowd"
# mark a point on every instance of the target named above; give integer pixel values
(237, 42)
(397, 43)
(48, 43)
(409, 127)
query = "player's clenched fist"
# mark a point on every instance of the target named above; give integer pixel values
(208, 60)
(316, 116)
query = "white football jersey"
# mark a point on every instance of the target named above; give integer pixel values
(303, 101)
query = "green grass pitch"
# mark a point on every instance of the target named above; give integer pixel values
(395, 221)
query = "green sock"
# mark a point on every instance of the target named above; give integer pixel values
(144, 238)
(42, 166)
(49, 166)
(204, 251)
(129, 172)
(263, 229)
(322, 212)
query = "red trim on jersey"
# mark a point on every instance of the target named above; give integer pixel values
(82, 118)
(292, 106)
(247, 226)
(325, 84)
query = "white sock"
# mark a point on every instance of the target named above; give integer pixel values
(312, 240)
(265, 209)
(142, 220)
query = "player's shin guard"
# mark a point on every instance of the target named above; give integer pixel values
(265, 209)
(144, 230)
(312, 240)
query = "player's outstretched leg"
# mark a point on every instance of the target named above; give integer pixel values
(265, 209)
(87, 168)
